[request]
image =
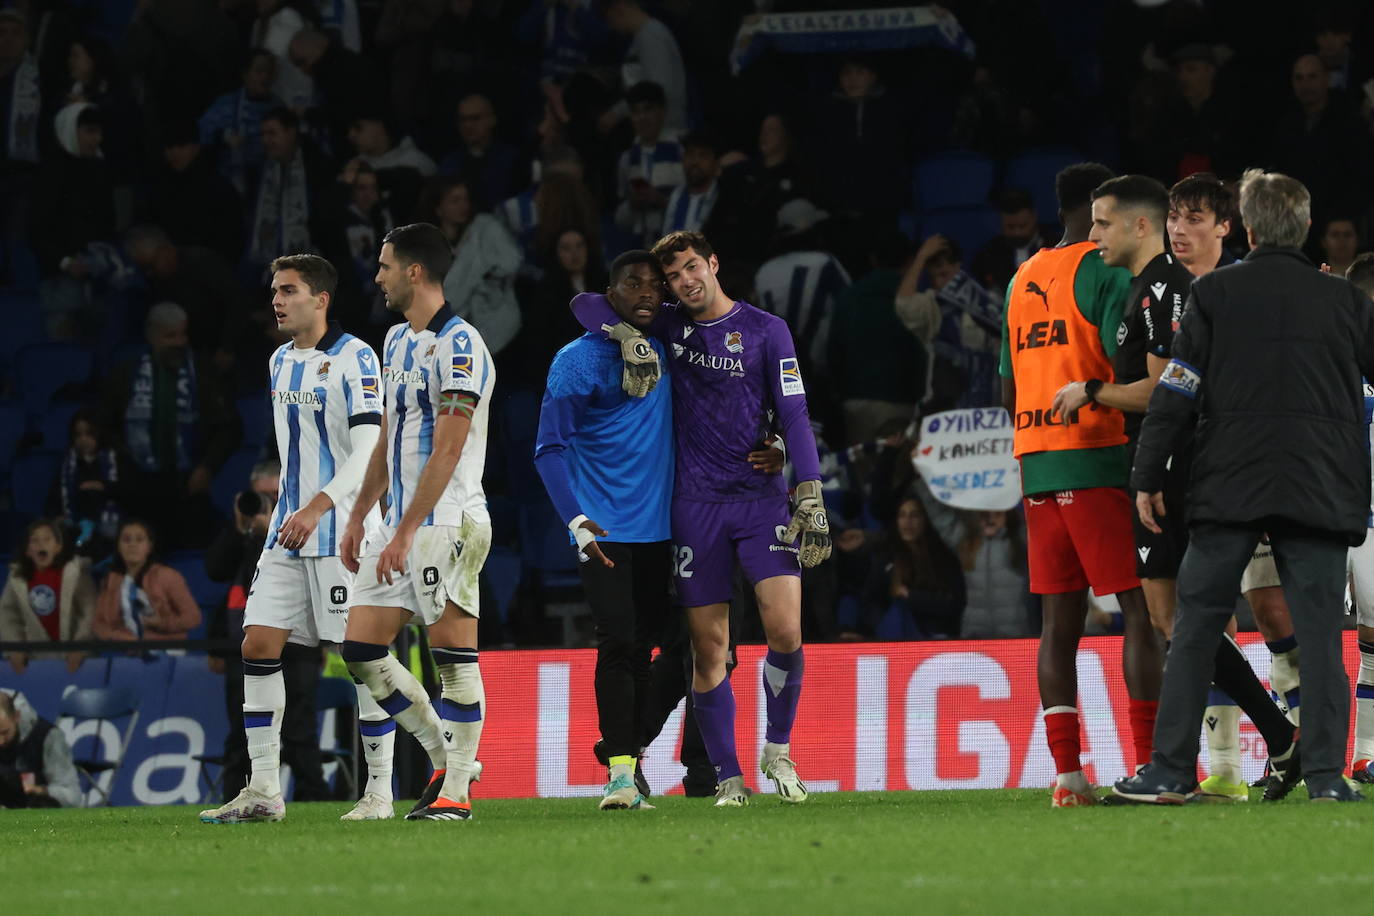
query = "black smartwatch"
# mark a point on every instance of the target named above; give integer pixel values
(1091, 387)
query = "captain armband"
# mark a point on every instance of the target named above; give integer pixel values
(1181, 377)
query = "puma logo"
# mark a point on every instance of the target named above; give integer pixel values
(1034, 289)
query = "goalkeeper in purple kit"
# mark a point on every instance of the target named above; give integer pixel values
(735, 380)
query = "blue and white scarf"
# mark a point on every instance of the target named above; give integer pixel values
(138, 415)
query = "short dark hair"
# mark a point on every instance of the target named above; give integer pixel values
(672, 244)
(646, 91)
(423, 244)
(1137, 192)
(117, 563)
(1203, 190)
(1014, 200)
(629, 259)
(951, 253)
(283, 116)
(64, 550)
(316, 271)
(1361, 273)
(1073, 186)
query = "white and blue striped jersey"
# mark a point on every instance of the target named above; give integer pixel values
(318, 395)
(446, 356)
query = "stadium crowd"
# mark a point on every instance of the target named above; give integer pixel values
(156, 155)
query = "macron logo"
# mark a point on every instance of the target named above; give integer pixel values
(1144, 553)
(1158, 289)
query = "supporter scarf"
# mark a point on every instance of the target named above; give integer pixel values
(133, 605)
(109, 473)
(281, 217)
(24, 107)
(140, 412)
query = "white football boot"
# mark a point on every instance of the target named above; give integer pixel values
(249, 806)
(778, 766)
(371, 807)
(732, 793)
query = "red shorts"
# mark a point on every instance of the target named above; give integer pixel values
(1078, 538)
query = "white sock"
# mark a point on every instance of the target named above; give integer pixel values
(623, 769)
(1077, 781)
(1364, 704)
(378, 733)
(1283, 678)
(1222, 721)
(264, 702)
(402, 697)
(462, 709)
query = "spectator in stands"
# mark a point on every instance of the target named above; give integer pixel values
(690, 203)
(547, 324)
(802, 282)
(653, 56)
(878, 370)
(86, 495)
(1021, 236)
(49, 596)
(861, 147)
(1340, 242)
(560, 200)
(753, 190)
(993, 556)
(77, 206)
(232, 558)
(480, 284)
(366, 221)
(401, 167)
(293, 206)
(915, 588)
(490, 166)
(345, 83)
(21, 95)
(36, 767)
(191, 200)
(202, 284)
(91, 79)
(650, 169)
(143, 600)
(177, 428)
(231, 128)
(1333, 36)
(278, 22)
(566, 34)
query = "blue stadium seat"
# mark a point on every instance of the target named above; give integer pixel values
(21, 265)
(232, 478)
(519, 414)
(11, 431)
(42, 369)
(502, 571)
(31, 479)
(544, 545)
(969, 227)
(55, 423)
(256, 414)
(1034, 170)
(953, 179)
(191, 565)
(23, 317)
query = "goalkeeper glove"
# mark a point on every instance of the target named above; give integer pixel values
(811, 523)
(641, 361)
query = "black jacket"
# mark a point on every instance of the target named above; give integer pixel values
(1269, 357)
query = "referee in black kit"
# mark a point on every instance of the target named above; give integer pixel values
(1268, 357)
(1129, 214)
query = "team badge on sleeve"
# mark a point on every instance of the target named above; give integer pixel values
(1181, 377)
(790, 375)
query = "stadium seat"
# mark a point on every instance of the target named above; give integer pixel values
(21, 266)
(502, 571)
(31, 479)
(191, 565)
(55, 423)
(43, 369)
(519, 414)
(969, 227)
(11, 431)
(232, 479)
(256, 414)
(106, 704)
(339, 694)
(23, 317)
(954, 179)
(551, 562)
(1034, 170)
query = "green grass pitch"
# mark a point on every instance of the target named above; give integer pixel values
(854, 854)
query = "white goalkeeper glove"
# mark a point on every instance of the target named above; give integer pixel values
(810, 521)
(642, 370)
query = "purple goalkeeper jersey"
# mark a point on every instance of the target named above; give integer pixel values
(735, 380)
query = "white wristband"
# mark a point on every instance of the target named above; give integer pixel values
(582, 535)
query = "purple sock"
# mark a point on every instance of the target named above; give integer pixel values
(782, 682)
(715, 711)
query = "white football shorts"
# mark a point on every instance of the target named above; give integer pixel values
(309, 596)
(443, 566)
(1260, 572)
(1359, 563)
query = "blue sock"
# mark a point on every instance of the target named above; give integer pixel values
(715, 711)
(782, 683)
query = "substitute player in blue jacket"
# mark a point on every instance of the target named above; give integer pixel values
(606, 459)
(326, 410)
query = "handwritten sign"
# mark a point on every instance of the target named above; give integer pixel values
(965, 457)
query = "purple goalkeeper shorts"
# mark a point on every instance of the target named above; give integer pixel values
(708, 537)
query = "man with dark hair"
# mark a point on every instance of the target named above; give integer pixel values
(36, 768)
(652, 55)
(649, 170)
(691, 203)
(326, 404)
(401, 166)
(1129, 215)
(1255, 387)
(493, 169)
(1063, 308)
(425, 557)
(738, 362)
(1020, 238)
